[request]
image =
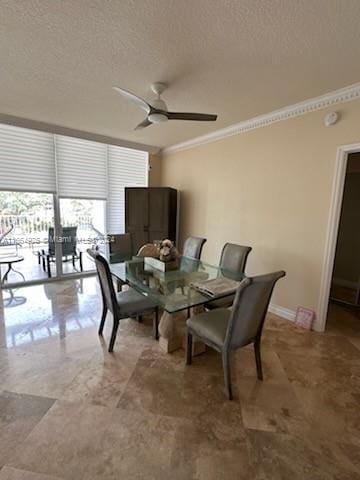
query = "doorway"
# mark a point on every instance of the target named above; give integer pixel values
(344, 299)
(335, 290)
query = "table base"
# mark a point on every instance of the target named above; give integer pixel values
(10, 268)
(172, 329)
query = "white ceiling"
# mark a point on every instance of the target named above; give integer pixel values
(235, 58)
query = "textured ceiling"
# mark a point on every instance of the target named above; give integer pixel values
(235, 58)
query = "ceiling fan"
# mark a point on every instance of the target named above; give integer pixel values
(157, 111)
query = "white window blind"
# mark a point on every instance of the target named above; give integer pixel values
(34, 161)
(81, 167)
(126, 168)
(27, 160)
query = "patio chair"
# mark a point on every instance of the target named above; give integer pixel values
(69, 250)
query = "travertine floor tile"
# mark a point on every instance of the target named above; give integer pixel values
(19, 413)
(45, 378)
(135, 445)
(282, 456)
(102, 380)
(64, 441)
(9, 473)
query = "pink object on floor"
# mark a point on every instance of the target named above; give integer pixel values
(304, 318)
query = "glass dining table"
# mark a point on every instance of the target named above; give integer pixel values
(174, 290)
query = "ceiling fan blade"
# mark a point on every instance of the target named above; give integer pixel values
(133, 98)
(199, 117)
(145, 123)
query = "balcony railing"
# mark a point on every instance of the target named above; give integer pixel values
(35, 225)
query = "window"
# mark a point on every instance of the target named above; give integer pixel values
(86, 179)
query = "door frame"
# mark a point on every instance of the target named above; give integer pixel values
(337, 193)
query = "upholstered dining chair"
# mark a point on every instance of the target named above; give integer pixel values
(193, 247)
(129, 303)
(120, 245)
(232, 263)
(227, 330)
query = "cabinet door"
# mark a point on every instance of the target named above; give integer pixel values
(137, 216)
(158, 213)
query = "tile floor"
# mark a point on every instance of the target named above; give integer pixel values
(69, 410)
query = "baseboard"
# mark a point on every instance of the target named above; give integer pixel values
(282, 312)
(340, 282)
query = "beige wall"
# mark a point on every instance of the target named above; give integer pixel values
(155, 170)
(269, 188)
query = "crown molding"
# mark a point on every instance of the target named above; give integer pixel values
(342, 95)
(71, 132)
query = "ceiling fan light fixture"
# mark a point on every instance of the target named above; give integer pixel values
(157, 118)
(157, 111)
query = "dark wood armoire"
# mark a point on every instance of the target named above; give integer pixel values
(150, 214)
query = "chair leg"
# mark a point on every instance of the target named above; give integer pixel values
(113, 335)
(43, 260)
(48, 266)
(139, 318)
(227, 374)
(118, 285)
(258, 359)
(102, 322)
(73, 260)
(80, 261)
(156, 324)
(189, 349)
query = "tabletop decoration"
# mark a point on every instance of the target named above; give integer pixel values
(167, 257)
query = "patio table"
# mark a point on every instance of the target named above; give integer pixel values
(9, 260)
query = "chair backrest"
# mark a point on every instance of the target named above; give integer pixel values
(106, 284)
(249, 309)
(69, 239)
(233, 258)
(148, 250)
(121, 244)
(193, 247)
(4, 233)
(8, 243)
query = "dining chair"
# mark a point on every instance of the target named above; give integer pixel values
(232, 264)
(129, 303)
(193, 247)
(148, 250)
(227, 330)
(120, 245)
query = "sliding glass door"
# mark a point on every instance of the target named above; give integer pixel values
(83, 226)
(30, 240)
(26, 220)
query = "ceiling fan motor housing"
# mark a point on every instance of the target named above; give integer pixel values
(158, 88)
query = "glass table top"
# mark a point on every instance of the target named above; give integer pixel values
(172, 290)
